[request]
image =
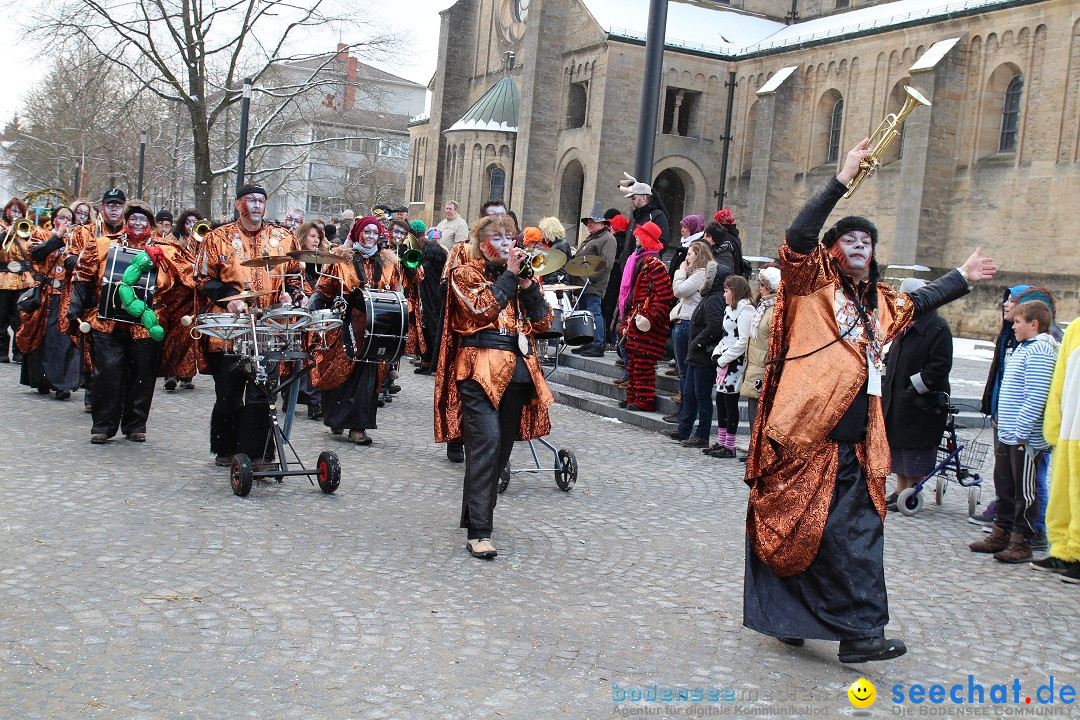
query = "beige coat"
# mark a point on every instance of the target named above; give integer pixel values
(757, 351)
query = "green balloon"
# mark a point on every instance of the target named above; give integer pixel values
(127, 295)
(157, 333)
(149, 318)
(143, 262)
(132, 274)
(136, 308)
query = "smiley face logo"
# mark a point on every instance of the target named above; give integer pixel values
(862, 693)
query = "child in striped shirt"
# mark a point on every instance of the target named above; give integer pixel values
(1024, 388)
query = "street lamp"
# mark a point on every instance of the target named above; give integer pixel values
(142, 160)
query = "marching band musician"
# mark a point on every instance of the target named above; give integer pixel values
(399, 232)
(51, 361)
(15, 275)
(431, 298)
(238, 424)
(187, 244)
(182, 230)
(353, 400)
(125, 356)
(489, 389)
(310, 237)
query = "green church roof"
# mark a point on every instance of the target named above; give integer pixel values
(496, 110)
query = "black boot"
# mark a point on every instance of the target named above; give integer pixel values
(870, 649)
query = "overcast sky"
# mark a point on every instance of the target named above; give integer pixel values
(416, 62)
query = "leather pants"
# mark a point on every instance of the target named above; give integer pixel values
(124, 376)
(489, 435)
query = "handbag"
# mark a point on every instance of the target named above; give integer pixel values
(30, 300)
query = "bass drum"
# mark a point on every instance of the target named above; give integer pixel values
(376, 326)
(117, 261)
(556, 330)
(580, 328)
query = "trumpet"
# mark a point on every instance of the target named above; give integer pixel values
(539, 261)
(199, 230)
(886, 132)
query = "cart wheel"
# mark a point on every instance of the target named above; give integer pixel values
(566, 477)
(910, 501)
(939, 491)
(329, 471)
(504, 479)
(240, 475)
(974, 493)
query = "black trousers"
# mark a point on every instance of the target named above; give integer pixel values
(9, 317)
(124, 376)
(1016, 487)
(489, 433)
(240, 421)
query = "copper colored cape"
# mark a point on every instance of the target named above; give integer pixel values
(332, 366)
(470, 308)
(32, 325)
(792, 465)
(414, 345)
(179, 351)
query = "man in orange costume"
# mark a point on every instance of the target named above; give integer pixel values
(818, 454)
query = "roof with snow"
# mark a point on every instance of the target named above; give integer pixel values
(731, 33)
(497, 109)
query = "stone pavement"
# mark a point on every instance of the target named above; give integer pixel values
(135, 585)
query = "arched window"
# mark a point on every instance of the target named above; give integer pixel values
(497, 184)
(834, 131)
(1010, 115)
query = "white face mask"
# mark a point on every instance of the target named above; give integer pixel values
(138, 226)
(497, 246)
(858, 249)
(369, 236)
(253, 207)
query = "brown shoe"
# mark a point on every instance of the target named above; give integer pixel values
(671, 373)
(360, 437)
(481, 548)
(136, 437)
(99, 438)
(620, 383)
(223, 460)
(677, 398)
(995, 542)
(1018, 551)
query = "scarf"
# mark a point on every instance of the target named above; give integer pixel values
(691, 238)
(766, 303)
(627, 281)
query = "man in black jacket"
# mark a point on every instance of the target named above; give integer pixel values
(646, 207)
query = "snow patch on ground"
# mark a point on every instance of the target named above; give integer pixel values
(970, 349)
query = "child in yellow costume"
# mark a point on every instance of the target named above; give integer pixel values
(1061, 428)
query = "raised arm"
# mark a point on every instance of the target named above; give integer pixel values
(802, 234)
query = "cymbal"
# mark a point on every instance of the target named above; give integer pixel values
(248, 295)
(268, 262)
(317, 257)
(560, 286)
(584, 265)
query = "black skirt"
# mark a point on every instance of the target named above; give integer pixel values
(55, 363)
(352, 404)
(841, 595)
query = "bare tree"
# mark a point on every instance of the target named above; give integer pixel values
(196, 55)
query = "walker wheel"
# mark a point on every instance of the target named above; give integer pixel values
(504, 479)
(910, 501)
(974, 493)
(240, 475)
(329, 468)
(939, 491)
(566, 476)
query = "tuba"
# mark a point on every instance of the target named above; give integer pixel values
(886, 132)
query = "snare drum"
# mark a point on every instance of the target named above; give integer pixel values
(556, 330)
(285, 317)
(579, 328)
(117, 261)
(323, 321)
(223, 326)
(377, 326)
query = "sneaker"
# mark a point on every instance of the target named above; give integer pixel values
(360, 437)
(1040, 541)
(676, 435)
(170, 384)
(1051, 564)
(695, 442)
(223, 460)
(986, 517)
(997, 542)
(1072, 575)
(721, 452)
(870, 649)
(481, 548)
(99, 438)
(1018, 550)
(709, 450)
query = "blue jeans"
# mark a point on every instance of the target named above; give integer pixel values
(1042, 490)
(697, 400)
(680, 345)
(591, 303)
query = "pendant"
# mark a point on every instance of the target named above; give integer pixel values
(523, 344)
(237, 244)
(273, 242)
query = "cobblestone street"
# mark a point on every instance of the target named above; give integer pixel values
(135, 585)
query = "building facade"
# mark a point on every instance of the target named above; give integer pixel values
(993, 162)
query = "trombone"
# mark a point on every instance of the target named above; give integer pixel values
(22, 228)
(886, 132)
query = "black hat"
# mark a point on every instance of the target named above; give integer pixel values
(138, 206)
(597, 215)
(401, 208)
(163, 215)
(249, 189)
(851, 222)
(114, 195)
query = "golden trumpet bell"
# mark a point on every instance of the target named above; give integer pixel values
(542, 262)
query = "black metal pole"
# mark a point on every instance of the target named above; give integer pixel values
(727, 141)
(142, 161)
(650, 89)
(245, 104)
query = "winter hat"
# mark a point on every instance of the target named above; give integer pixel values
(693, 223)
(347, 215)
(629, 185)
(1015, 290)
(910, 285)
(138, 206)
(724, 217)
(770, 276)
(357, 230)
(532, 236)
(851, 222)
(419, 227)
(649, 236)
(1037, 293)
(434, 234)
(619, 223)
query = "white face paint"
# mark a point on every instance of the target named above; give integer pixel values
(496, 246)
(858, 249)
(398, 233)
(293, 221)
(113, 212)
(252, 207)
(138, 225)
(82, 214)
(189, 224)
(61, 223)
(369, 236)
(14, 213)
